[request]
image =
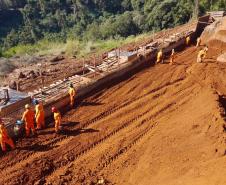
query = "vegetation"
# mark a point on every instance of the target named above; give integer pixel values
(75, 25)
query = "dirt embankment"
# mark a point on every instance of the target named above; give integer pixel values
(164, 125)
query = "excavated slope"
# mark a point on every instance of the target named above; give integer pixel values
(161, 126)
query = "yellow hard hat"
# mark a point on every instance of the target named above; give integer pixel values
(27, 106)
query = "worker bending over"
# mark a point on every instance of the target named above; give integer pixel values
(198, 43)
(28, 118)
(159, 57)
(202, 54)
(57, 119)
(72, 95)
(172, 57)
(188, 40)
(39, 115)
(4, 137)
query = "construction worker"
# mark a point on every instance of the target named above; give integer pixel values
(4, 137)
(172, 57)
(39, 115)
(159, 57)
(198, 42)
(57, 119)
(28, 118)
(202, 54)
(72, 95)
(187, 40)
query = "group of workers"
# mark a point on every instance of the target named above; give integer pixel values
(31, 117)
(200, 57)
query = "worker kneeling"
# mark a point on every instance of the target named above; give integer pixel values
(39, 115)
(72, 95)
(159, 57)
(28, 118)
(4, 137)
(57, 119)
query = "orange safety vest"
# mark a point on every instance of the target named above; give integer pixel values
(57, 118)
(39, 110)
(28, 116)
(71, 92)
(3, 133)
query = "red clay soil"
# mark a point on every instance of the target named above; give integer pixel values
(162, 126)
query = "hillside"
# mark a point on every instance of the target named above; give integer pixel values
(166, 127)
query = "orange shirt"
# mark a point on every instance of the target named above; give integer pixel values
(3, 133)
(57, 117)
(39, 110)
(71, 91)
(28, 116)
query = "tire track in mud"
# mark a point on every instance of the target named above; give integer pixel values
(53, 141)
(137, 138)
(126, 124)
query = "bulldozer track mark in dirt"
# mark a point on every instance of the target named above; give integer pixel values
(117, 108)
(141, 132)
(54, 141)
(103, 139)
(117, 131)
(123, 150)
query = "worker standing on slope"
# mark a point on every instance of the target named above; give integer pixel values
(188, 40)
(202, 54)
(28, 118)
(159, 57)
(39, 115)
(198, 42)
(57, 119)
(172, 57)
(72, 95)
(4, 137)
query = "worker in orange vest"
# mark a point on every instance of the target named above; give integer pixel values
(187, 40)
(159, 57)
(72, 94)
(4, 137)
(39, 115)
(57, 119)
(202, 54)
(28, 118)
(172, 57)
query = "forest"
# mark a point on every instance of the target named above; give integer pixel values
(29, 21)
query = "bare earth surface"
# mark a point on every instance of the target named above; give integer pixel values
(162, 126)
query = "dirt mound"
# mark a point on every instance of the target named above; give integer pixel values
(215, 32)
